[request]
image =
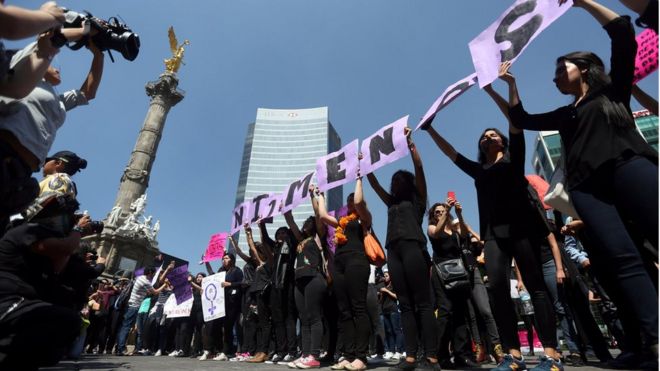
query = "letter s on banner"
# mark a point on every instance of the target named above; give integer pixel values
(240, 216)
(385, 146)
(499, 43)
(338, 168)
(296, 192)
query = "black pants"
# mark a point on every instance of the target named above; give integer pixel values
(498, 265)
(212, 335)
(184, 332)
(309, 298)
(409, 266)
(284, 314)
(35, 334)
(481, 306)
(96, 330)
(232, 312)
(166, 334)
(350, 278)
(451, 324)
(115, 320)
(264, 324)
(331, 321)
(628, 192)
(377, 338)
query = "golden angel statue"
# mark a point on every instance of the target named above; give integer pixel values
(173, 64)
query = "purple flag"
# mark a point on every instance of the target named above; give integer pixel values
(385, 146)
(338, 168)
(511, 33)
(296, 192)
(179, 279)
(447, 97)
(240, 216)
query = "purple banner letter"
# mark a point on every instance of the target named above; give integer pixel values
(385, 146)
(338, 167)
(296, 192)
(447, 97)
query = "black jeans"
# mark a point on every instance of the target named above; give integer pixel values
(349, 280)
(498, 265)
(310, 292)
(377, 338)
(481, 305)
(451, 323)
(264, 323)
(628, 192)
(409, 266)
(284, 313)
(232, 312)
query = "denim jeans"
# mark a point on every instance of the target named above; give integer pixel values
(129, 319)
(141, 321)
(393, 331)
(559, 302)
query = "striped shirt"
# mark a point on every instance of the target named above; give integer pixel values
(139, 292)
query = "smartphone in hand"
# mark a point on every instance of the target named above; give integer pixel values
(451, 195)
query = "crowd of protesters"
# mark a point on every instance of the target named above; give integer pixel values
(306, 299)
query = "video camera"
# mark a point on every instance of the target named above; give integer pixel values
(111, 34)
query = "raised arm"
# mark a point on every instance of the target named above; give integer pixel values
(239, 252)
(288, 217)
(29, 69)
(601, 13)
(506, 76)
(91, 84)
(18, 23)
(209, 269)
(645, 100)
(323, 212)
(434, 229)
(444, 146)
(250, 241)
(361, 205)
(420, 178)
(263, 231)
(380, 191)
(314, 194)
(461, 222)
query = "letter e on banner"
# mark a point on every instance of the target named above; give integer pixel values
(296, 192)
(240, 216)
(338, 168)
(511, 33)
(385, 146)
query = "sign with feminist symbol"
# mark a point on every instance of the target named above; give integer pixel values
(213, 296)
(513, 31)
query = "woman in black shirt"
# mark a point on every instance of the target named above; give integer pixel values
(350, 276)
(407, 259)
(511, 227)
(611, 172)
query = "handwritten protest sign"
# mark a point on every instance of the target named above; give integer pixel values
(173, 310)
(216, 247)
(447, 97)
(510, 35)
(646, 61)
(240, 216)
(179, 279)
(338, 168)
(296, 192)
(213, 296)
(385, 146)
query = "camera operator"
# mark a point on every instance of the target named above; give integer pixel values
(31, 257)
(28, 126)
(18, 23)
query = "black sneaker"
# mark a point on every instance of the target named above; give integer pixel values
(429, 366)
(404, 365)
(464, 362)
(625, 361)
(575, 360)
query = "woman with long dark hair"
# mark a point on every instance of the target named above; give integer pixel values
(448, 240)
(350, 275)
(611, 172)
(310, 290)
(511, 228)
(407, 259)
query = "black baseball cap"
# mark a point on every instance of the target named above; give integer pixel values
(72, 162)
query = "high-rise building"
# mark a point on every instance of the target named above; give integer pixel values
(547, 148)
(280, 147)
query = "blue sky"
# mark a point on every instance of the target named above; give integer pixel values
(371, 62)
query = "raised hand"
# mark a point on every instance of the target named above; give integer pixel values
(504, 74)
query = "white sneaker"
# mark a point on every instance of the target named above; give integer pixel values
(288, 358)
(158, 353)
(294, 364)
(204, 356)
(174, 353)
(220, 357)
(388, 355)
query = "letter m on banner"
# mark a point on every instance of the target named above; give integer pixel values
(296, 192)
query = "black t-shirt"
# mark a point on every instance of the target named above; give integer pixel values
(387, 302)
(404, 222)
(308, 260)
(23, 272)
(446, 246)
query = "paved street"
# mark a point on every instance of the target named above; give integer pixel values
(106, 362)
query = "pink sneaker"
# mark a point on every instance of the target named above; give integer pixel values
(308, 362)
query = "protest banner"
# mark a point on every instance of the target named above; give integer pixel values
(216, 248)
(174, 310)
(179, 279)
(240, 216)
(385, 146)
(451, 93)
(213, 296)
(296, 192)
(510, 35)
(646, 61)
(338, 168)
(265, 206)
